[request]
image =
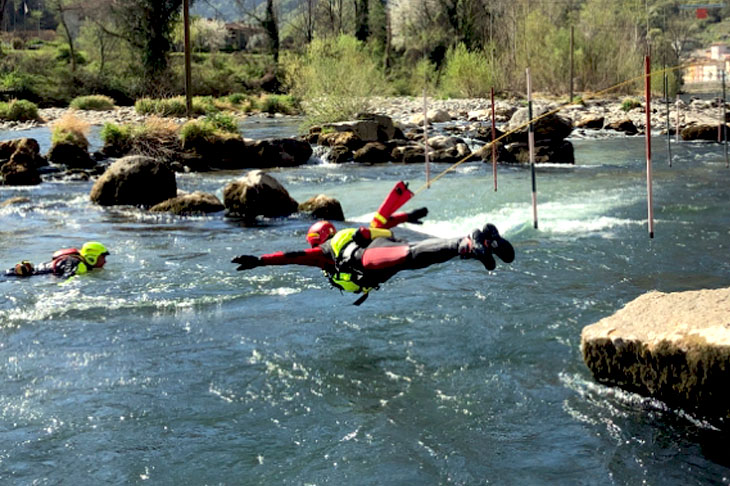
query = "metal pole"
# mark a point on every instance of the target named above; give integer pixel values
(724, 120)
(677, 136)
(666, 104)
(647, 88)
(494, 145)
(425, 139)
(531, 144)
(188, 79)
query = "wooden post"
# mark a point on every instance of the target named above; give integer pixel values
(570, 100)
(666, 104)
(494, 144)
(531, 144)
(425, 139)
(188, 79)
(647, 88)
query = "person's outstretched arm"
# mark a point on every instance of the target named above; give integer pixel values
(313, 257)
(414, 217)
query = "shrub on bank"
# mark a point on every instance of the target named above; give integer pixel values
(629, 104)
(70, 130)
(92, 103)
(209, 128)
(175, 107)
(18, 110)
(272, 103)
(156, 137)
(468, 74)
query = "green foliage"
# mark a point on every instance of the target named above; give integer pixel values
(222, 121)
(629, 104)
(334, 78)
(238, 98)
(64, 55)
(92, 102)
(116, 135)
(18, 110)
(195, 131)
(278, 104)
(468, 74)
(175, 107)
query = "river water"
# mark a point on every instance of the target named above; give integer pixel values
(169, 367)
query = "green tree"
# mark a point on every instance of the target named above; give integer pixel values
(147, 25)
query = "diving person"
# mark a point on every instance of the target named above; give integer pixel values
(65, 263)
(360, 259)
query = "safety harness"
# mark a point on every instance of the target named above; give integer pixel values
(61, 255)
(346, 277)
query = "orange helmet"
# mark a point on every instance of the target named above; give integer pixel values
(320, 232)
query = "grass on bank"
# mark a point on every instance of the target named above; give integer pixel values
(18, 110)
(92, 103)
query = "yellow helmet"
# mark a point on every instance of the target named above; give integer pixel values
(91, 251)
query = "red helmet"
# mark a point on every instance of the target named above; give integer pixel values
(320, 232)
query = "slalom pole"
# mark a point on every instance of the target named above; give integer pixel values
(425, 140)
(494, 145)
(724, 120)
(677, 137)
(531, 144)
(647, 88)
(666, 104)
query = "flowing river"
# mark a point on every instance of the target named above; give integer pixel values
(169, 367)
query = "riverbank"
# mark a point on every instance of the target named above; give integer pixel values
(408, 111)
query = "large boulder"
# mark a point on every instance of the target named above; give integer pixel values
(28, 147)
(70, 155)
(278, 152)
(194, 203)
(19, 173)
(258, 194)
(560, 152)
(674, 347)
(700, 132)
(373, 152)
(323, 207)
(368, 127)
(623, 125)
(221, 152)
(547, 126)
(135, 180)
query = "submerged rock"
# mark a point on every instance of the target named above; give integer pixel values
(674, 347)
(70, 155)
(194, 203)
(323, 207)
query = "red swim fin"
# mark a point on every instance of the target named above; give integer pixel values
(399, 195)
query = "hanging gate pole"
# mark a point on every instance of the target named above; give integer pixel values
(647, 87)
(531, 143)
(666, 104)
(724, 120)
(494, 145)
(425, 139)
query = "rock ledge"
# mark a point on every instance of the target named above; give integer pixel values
(674, 347)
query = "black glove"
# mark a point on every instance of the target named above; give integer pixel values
(246, 262)
(415, 215)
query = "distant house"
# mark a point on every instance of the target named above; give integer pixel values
(708, 64)
(243, 37)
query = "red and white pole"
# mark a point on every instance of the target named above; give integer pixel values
(531, 144)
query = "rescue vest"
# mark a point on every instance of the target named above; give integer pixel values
(74, 253)
(343, 247)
